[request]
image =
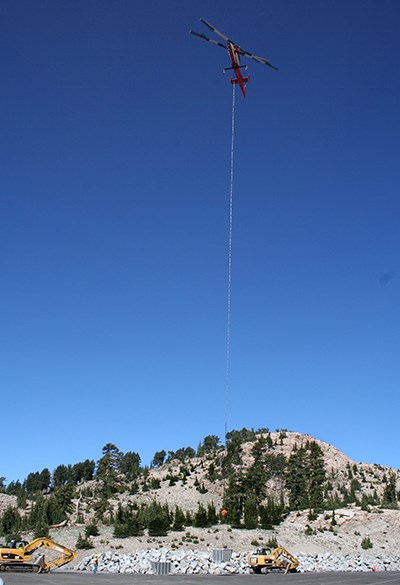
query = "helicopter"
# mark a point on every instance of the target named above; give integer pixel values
(235, 52)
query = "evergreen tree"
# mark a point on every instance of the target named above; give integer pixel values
(127, 522)
(64, 496)
(181, 454)
(51, 510)
(234, 500)
(101, 508)
(61, 475)
(10, 522)
(41, 525)
(270, 442)
(271, 513)
(212, 517)
(158, 459)
(83, 542)
(37, 482)
(275, 465)
(211, 473)
(250, 512)
(258, 449)
(83, 471)
(107, 469)
(14, 488)
(209, 444)
(179, 519)
(200, 519)
(44, 479)
(297, 480)
(305, 477)
(255, 481)
(130, 465)
(389, 499)
(91, 530)
(316, 476)
(158, 519)
(37, 511)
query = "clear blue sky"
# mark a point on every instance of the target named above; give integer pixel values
(115, 143)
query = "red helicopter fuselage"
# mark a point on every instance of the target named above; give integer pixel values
(234, 53)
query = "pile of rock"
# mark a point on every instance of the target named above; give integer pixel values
(163, 560)
(166, 561)
(348, 562)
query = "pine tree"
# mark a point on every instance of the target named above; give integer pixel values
(296, 479)
(83, 542)
(129, 465)
(179, 519)
(250, 512)
(271, 513)
(211, 473)
(316, 476)
(107, 469)
(158, 519)
(158, 458)
(256, 480)
(200, 519)
(91, 530)
(212, 517)
(389, 499)
(209, 444)
(10, 522)
(234, 500)
(41, 526)
(64, 496)
(305, 477)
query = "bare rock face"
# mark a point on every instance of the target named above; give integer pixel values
(6, 502)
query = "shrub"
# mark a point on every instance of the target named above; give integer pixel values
(91, 530)
(272, 542)
(366, 543)
(83, 542)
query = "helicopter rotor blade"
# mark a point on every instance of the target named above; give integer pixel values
(215, 30)
(258, 59)
(261, 60)
(200, 36)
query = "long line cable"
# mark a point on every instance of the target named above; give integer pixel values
(228, 329)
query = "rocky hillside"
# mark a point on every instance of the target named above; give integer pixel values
(357, 505)
(342, 474)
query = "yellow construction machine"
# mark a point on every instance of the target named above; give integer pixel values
(17, 556)
(278, 559)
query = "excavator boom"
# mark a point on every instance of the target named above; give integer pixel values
(17, 556)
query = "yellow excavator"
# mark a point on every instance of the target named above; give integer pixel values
(279, 559)
(17, 556)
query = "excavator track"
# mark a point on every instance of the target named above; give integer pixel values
(19, 568)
